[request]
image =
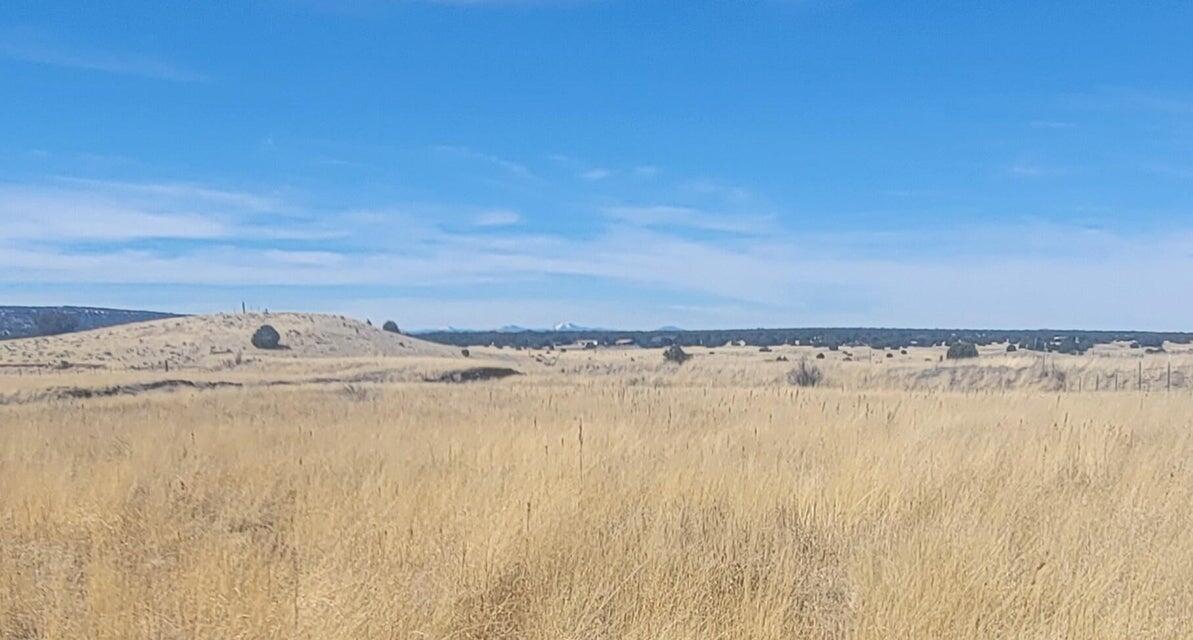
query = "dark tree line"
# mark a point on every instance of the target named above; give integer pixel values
(25, 322)
(53, 322)
(1058, 341)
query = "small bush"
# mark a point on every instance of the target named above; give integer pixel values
(676, 354)
(820, 356)
(466, 353)
(266, 337)
(357, 393)
(1012, 348)
(805, 375)
(391, 327)
(961, 350)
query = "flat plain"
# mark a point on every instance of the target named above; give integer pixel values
(340, 489)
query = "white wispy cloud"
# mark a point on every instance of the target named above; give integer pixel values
(69, 214)
(497, 218)
(727, 192)
(789, 274)
(676, 216)
(1027, 169)
(183, 191)
(38, 48)
(596, 173)
(466, 153)
(319, 259)
(749, 270)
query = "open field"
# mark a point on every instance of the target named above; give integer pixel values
(603, 494)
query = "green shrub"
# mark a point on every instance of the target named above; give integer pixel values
(805, 375)
(676, 354)
(962, 350)
(266, 337)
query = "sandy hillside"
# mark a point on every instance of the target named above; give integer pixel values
(215, 340)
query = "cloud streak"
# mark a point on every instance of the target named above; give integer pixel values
(749, 269)
(32, 47)
(53, 215)
(509, 166)
(497, 218)
(670, 216)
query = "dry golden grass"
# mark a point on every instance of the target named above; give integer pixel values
(616, 499)
(605, 494)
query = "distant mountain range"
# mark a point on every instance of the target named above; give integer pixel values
(27, 322)
(562, 327)
(570, 326)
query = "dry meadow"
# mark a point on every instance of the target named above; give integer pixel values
(603, 494)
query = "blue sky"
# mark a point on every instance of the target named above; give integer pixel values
(630, 164)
